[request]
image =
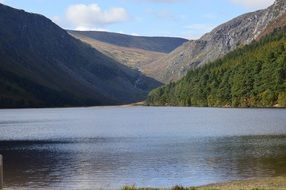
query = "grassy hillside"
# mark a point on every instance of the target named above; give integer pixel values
(41, 65)
(251, 76)
(157, 44)
(272, 183)
(132, 57)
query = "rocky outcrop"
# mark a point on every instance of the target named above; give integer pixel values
(223, 39)
(278, 23)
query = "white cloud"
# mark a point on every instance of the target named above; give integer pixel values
(2, 1)
(62, 22)
(92, 16)
(259, 4)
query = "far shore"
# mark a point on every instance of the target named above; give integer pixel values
(270, 183)
(224, 107)
(141, 104)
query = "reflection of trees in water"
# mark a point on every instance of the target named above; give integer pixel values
(173, 161)
(25, 165)
(250, 156)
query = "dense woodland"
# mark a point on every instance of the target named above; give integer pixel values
(251, 76)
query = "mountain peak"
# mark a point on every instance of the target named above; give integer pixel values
(239, 31)
(280, 4)
(279, 1)
(42, 65)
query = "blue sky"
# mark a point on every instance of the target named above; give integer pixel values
(183, 18)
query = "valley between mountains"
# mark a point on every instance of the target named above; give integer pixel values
(241, 63)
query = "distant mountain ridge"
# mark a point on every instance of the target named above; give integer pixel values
(41, 65)
(157, 44)
(134, 58)
(223, 39)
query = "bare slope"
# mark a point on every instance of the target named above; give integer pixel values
(157, 44)
(132, 57)
(223, 39)
(278, 23)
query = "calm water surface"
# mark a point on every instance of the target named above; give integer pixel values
(109, 147)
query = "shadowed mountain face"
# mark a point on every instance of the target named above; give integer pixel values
(157, 44)
(42, 65)
(223, 39)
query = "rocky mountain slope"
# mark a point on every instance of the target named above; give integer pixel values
(223, 39)
(135, 58)
(157, 44)
(278, 23)
(250, 76)
(41, 65)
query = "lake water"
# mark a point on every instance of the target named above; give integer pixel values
(109, 147)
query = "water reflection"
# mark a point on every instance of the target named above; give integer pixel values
(112, 163)
(92, 148)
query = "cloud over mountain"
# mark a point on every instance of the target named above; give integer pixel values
(93, 16)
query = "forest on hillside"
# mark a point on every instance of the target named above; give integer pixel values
(251, 76)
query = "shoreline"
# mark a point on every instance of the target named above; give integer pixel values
(143, 104)
(249, 184)
(265, 183)
(140, 104)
